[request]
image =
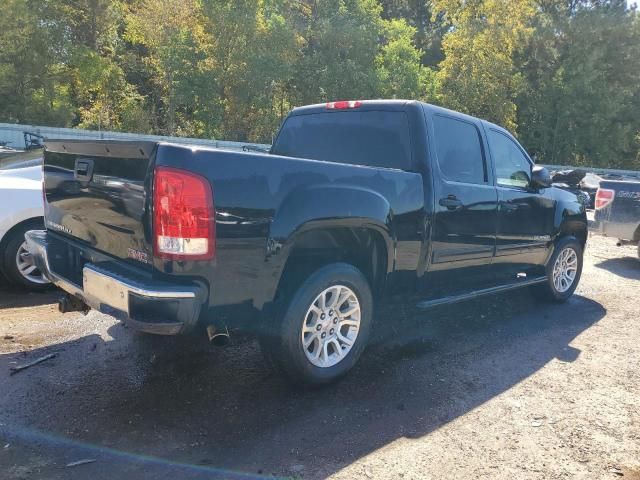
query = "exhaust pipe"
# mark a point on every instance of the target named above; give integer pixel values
(218, 338)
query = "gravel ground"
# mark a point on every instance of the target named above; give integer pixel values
(494, 388)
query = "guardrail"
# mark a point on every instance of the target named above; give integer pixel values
(13, 135)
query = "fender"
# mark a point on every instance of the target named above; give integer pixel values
(569, 215)
(324, 206)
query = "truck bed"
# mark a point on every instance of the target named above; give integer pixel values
(99, 195)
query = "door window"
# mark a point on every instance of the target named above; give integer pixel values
(513, 169)
(459, 150)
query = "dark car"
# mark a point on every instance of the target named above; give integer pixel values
(357, 204)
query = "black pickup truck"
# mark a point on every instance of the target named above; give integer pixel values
(617, 212)
(357, 203)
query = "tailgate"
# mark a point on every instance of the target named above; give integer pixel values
(626, 203)
(625, 207)
(95, 193)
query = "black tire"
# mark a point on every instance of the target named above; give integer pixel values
(547, 291)
(281, 340)
(13, 242)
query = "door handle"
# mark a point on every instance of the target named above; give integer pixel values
(451, 202)
(83, 169)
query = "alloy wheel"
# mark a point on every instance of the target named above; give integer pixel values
(330, 327)
(27, 268)
(565, 269)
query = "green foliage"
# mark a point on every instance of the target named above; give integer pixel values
(339, 43)
(478, 73)
(582, 103)
(564, 75)
(399, 69)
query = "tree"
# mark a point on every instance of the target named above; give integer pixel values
(255, 51)
(562, 74)
(478, 74)
(582, 72)
(429, 28)
(399, 69)
(171, 37)
(339, 44)
(30, 86)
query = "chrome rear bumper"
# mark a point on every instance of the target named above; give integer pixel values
(139, 300)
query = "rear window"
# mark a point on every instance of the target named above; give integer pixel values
(374, 138)
(459, 150)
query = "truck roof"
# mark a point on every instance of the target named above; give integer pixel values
(362, 105)
(390, 105)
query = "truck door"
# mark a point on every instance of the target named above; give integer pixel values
(464, 225)
(525, 216)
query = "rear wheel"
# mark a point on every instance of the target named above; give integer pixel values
(18, 265)
(324, 327)
(563, 271)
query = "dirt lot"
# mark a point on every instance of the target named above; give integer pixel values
(498, 388)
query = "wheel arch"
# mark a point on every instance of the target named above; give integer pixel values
(7, 235)
(576, 229)
(329, 223)
(366, 247)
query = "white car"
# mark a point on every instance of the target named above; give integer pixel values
(21, 209)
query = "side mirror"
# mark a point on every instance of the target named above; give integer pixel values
(540, 177)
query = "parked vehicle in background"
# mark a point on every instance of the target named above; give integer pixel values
(572, 181)
(21, 209)
(589, 185)
(358, 203)
(617, 212)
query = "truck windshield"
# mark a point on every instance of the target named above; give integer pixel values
(374, 138)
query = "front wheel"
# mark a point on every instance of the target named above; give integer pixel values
(563, 271)
(324, 328)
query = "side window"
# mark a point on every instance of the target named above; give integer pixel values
(512, 167)
(459, 150)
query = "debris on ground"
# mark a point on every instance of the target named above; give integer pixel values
(81, 462)
(20, 368)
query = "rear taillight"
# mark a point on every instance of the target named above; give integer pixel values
(604, 196)
(343, 105)
(183, 216)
